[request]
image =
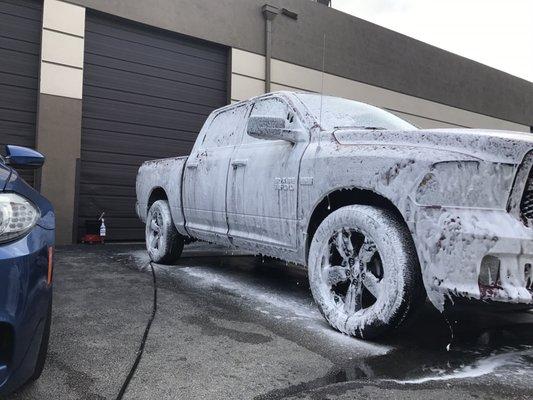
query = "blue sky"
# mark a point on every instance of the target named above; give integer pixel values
(497, 33)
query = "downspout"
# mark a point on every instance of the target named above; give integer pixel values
(269, 12)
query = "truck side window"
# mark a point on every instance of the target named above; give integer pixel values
(272, 107)
(225, 128)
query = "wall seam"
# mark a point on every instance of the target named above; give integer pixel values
(63, 32)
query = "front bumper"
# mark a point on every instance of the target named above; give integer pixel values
(454, 245)
(25, 295)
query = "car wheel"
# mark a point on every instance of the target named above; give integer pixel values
(43, 349)
(163, 242)
(364, 272)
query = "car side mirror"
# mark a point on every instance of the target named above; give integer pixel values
(272, 128)
(23, 158)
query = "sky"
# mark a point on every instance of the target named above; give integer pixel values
(498, 33)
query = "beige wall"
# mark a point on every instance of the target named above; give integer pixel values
(248, 80)
(59, 116)
(62, 49)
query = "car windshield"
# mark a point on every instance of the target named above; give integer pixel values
(340, 113)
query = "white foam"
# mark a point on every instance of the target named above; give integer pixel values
(281, 306)
(484, 366)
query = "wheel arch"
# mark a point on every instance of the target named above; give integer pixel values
(342, 197)
(157, 193)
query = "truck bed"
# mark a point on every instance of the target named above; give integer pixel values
(165, 174)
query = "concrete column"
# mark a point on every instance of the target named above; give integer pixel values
(60, 104)
(270, 13)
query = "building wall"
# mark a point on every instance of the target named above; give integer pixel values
(248, 79)
(60, 104)
(355, 49)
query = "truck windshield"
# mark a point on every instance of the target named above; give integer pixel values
(340, 113)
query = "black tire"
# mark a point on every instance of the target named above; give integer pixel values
(369, 255)
(163, 242)
(43, 349)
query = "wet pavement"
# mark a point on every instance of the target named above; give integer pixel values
(234, 326)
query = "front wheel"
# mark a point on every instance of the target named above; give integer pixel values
(364, 271)
(163, 242)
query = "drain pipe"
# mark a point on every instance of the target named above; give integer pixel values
(270, 13)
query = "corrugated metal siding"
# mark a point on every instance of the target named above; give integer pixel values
(146, 95)
(20, 48)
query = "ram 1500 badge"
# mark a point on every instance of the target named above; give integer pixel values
(382, 213)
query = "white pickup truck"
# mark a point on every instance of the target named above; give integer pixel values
(381, 213)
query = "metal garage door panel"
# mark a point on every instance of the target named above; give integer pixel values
(20, 46)
(147, 93)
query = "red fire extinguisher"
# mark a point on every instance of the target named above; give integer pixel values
(95, 231)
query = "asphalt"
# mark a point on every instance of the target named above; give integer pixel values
(233, 326)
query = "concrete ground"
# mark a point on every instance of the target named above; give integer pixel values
(233, 326)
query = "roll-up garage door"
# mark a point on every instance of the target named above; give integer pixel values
(20, 47)
(146, 94)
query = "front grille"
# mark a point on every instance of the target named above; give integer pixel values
(526, 205)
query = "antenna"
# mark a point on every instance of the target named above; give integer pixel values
(322, 84)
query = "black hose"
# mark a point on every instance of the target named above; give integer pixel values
(140, 351)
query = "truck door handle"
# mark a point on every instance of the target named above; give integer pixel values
(239, 163)
(192, 165)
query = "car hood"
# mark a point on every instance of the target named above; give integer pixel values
(497, 146)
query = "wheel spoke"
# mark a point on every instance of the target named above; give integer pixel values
(154, 227)
(352, 301)
(367, 251)
(372, 283)
(339, 244)
(336, 274)
(349, 244)
(344, 245)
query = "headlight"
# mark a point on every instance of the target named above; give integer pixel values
(17, 216)
(475, 184)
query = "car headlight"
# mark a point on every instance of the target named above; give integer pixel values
(475, 184)
(17, 216)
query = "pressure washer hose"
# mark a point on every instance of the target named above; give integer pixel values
(140, 351)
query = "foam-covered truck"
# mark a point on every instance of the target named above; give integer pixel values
(382, 214)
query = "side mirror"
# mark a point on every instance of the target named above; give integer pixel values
(272, 128)
(23, 158)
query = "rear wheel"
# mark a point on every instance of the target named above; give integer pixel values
(364, 272)
(163, 242)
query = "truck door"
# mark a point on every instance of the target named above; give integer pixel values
(206, 172)
(263, 184)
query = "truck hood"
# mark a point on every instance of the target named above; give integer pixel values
(490, 145)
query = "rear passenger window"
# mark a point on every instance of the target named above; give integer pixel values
(225, 129)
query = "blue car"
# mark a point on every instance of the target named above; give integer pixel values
(27, 226)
